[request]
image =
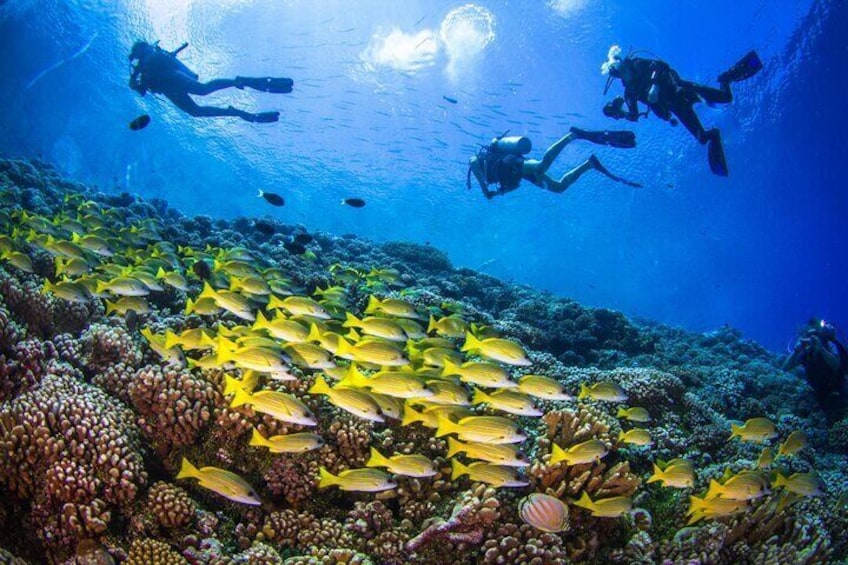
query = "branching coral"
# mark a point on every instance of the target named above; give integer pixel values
(74, 454)
(173, 405)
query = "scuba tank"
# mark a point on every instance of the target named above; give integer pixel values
(514, 144)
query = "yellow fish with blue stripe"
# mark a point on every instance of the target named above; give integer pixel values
(497, 349)
(406, 465)
(222, 482)
(357, 480)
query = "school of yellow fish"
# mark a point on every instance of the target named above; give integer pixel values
(389, 363)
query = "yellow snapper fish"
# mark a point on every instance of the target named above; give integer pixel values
(235, 268)
(188, 340)
(676, 476)
(606, 391)
(506, 454)
(389, 405)
(803, 484)
(329, 341)
(144, 277)
(380, 353)
(248, 383)
(202, 306)
(485, 429)
(309, 356)
(391, 307)
(281, 328)
(796, 441)
(494, 475)
(507, 401)
(412, 328)
(93, 243)
(449, 326)
(124, 286)
(257, 358)
(289, 443)
(159, 345)
(405, 465)
(137, 304)
(396, 384)
(438, 356)
(765, 459)
(756, 429)
(357, 480)
(747, 485)
(278, 405)
(71, 267)
(634, 414)
(429, 417)
(67, 290)
(605, 507)
(18, 260)
(636, 436)
(542, 387)
(255, 286)
(544, 512)
(232, 302)
(478, 373)
(588, 451)
(62, 248)
(496, 349)
(172, 279)
(220, 481)
(448, 393)
(299, 306)
(357, 402)
(700, 508)
(385, 328)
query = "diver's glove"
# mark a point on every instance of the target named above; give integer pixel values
(615, 108)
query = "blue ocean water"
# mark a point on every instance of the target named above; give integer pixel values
(370, 117)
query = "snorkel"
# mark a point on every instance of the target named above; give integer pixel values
(612, 62)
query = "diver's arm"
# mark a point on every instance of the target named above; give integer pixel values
(632, 105)
(137, 81)
(176, 51)
(475, 168)
(796, 358)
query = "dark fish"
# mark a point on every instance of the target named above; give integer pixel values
(131, 317)
(140, 122)
(264, 227)
(303, 238)
(294, 247)
(202, 270)
(271, 198)
(451, 100)
(355, 202)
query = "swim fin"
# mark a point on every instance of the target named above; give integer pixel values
(266, 84)
(715, 153)
(263, 117)
(622, 139)
(745, 68)
(596, 164)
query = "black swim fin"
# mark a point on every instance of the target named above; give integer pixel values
(266, 84)
(715, 152)
(262, 117)
(621, 139)
(596, 164)
(745, 68)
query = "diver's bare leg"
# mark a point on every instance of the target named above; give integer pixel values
(568, 178)
(189, 106)
(203, 88)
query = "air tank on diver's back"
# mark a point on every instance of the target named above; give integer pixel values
(514, 144)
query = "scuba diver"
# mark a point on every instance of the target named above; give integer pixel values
(502, 162)
(825, 362)
(160, 71)
(654, 83)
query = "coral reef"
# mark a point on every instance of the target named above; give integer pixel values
(89, 409)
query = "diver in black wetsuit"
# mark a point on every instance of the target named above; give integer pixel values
(654, 83)
(825, 361)
(161, 72)
(502, 162)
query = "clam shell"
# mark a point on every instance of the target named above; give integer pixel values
(544, 512)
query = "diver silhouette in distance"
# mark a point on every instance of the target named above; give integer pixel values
(825, 362)
(654, 83)
(160, 72)
(502, 162)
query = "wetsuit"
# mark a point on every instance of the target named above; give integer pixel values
(825, 362)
